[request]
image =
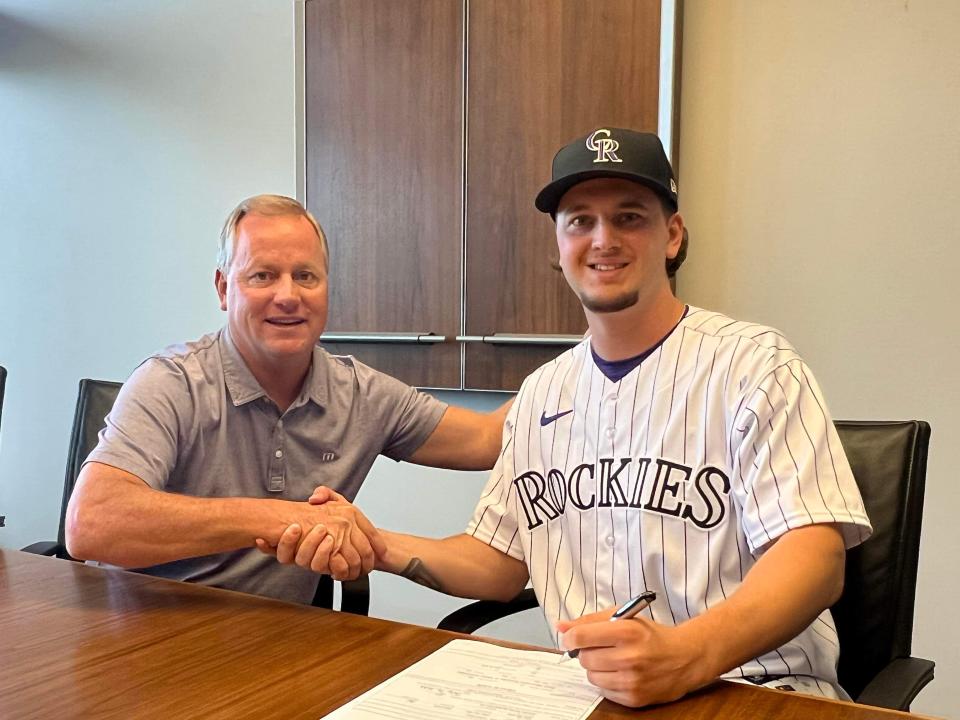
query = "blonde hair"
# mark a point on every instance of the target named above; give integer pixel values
(270, 205)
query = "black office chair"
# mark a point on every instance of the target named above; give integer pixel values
(874, 617)
(3, 382)
(94, 400)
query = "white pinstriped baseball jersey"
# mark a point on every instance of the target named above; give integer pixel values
(673, 479)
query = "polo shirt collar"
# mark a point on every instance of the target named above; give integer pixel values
(243, 386)
(315, 386)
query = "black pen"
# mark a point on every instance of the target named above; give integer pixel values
(628, 610)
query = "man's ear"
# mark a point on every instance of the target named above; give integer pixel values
(675, 232)
(220, 283)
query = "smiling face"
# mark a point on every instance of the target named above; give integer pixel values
(275, 292)
(614, 238)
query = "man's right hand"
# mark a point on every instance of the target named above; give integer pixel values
(333, 537)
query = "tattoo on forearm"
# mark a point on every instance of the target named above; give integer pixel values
(418, 572)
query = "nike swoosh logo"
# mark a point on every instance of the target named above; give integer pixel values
(545, 420)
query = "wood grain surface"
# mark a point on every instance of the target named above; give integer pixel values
(384, 97)
(85, 642)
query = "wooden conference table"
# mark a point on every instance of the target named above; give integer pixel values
(84, 642)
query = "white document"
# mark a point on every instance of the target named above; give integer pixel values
(477, 680)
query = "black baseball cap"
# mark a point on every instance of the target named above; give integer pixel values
(609, 152)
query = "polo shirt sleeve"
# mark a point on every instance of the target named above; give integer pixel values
(495, 518)
(142, 429)
(789, 467)
(404, 416)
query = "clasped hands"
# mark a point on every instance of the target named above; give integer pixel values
(338, 539)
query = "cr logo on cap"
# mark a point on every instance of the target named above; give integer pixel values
(605, 147)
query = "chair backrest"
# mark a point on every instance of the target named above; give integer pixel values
(874, 616)
(94, 400)
(3, 382)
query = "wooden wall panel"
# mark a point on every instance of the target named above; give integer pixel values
(384, 173)
(540, 73)
(385, 145)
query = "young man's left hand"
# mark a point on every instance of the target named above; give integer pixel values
(636, 662)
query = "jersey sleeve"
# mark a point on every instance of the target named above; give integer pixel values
(403, 416)
(142, 429)
(789, 466)
(494, 519)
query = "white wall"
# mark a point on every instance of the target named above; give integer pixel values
(128, 130)
(819, 175)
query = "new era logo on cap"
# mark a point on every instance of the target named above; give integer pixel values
(610, 152)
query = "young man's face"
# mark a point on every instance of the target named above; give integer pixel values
(614, 240)
(275, 290)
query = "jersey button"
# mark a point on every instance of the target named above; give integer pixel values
(278, 453)
(609, 540)
(610, 432)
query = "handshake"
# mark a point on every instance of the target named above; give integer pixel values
(330, 536)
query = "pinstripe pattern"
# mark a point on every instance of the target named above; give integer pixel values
(673, 479)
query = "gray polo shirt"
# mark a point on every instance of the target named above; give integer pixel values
(193, 420)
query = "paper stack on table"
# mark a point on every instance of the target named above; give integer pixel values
(477, 680)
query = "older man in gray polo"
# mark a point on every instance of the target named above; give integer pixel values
(215, 443)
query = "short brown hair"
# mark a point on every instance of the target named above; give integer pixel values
(263, 205)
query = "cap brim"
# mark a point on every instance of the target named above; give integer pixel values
(549, 198)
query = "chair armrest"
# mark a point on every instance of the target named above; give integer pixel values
(475, 615)
(898, 683)
(355, 596)
(45, 547)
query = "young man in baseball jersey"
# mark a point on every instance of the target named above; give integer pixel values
(674, 450)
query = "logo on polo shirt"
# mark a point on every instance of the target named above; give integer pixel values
(328, 456)
(604, 146)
